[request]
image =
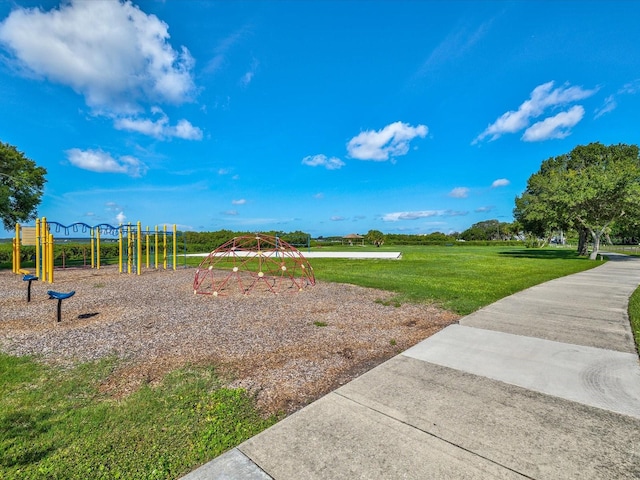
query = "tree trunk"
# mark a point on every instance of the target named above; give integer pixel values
(582, 242)
(596, 244)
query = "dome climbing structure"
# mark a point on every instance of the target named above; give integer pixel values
(253, 262)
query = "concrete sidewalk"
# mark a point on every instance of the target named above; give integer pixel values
(544, 384)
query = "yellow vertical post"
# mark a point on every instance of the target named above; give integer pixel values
(98, 248)
(164, 247)
(50, 256)
(156, 249)
(120, 249)
(129, 249)
(175, 245)
(147, 245)
(139, 246)
(15, 263)
(44, 252)
(93, 245)
(38, 243)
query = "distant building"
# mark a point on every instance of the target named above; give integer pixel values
(353, 238)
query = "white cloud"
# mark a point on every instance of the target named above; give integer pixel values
(609, 105)
(240, 201)
(111, 52)
(159, 128)
(630, 88)
(120, 217)
(558, 126)
(332, 163)
(455, 45)
(319, 196)
(185, 130)
(103, 162)
(248, 76)
(392, 141)
(112, 206)
(230, 212)
(396, 216)
(542, 98)
(221, 51)
(337, 218)
(459, 192)
(500, 182)
(484, 209)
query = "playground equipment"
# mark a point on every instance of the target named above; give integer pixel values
(130, 249)
(60, 296)
(248, 262)
(29, 278)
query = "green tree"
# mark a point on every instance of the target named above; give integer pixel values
(21, 186)
(375, 237)
(587, 189)
(297, 238)
(487, 230)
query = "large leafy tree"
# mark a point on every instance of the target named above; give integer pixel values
(588, 189)
(21, 186)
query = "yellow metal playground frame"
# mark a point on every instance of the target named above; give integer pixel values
(41, 237)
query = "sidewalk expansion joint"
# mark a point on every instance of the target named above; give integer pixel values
(368, 407)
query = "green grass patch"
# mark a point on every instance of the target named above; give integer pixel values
(318, 323)
(460, 279)
(55, 423)
(388, 303)
(634, 316)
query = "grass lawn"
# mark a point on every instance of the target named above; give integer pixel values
(634, 316)
(56, 423)
(461, 279)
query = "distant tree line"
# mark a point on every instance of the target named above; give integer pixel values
(198, 242)
(485, 231)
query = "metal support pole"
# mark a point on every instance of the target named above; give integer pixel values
(16, 251)
(93, 246)
(139, 249)
(156, 249)
(164, 247)
(175, 245)
(120, 249)
(98, 248)
(147, 245)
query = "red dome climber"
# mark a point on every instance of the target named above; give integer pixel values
(256, 261)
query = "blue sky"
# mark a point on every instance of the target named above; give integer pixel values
(331, 117)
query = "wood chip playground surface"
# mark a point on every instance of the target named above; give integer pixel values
(288, 349)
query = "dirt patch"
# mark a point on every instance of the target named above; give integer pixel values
(288, 349)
